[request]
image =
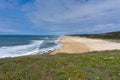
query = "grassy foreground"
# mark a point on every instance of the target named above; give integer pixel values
(90, 66)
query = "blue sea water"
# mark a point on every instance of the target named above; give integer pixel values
(21, 45)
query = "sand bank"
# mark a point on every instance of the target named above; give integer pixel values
(81, 45)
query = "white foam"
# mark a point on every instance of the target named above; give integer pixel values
(21, 50)
(30, 49)
(50, 49)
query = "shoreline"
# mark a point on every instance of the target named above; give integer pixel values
(70, 46)
(77, 45)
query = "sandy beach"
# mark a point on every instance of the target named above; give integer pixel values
(76, 45)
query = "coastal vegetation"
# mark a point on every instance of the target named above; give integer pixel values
(103, 65)
(111, 35)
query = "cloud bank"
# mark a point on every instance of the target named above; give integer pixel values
(70, 16)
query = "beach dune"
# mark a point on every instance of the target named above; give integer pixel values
(75, 45)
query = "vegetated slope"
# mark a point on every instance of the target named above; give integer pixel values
(111, 35)
(90, 66)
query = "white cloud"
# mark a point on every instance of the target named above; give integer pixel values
(69, 11)
(58, 15)
(69, 16)
(95, 29)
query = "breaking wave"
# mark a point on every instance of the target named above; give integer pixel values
(29, 49)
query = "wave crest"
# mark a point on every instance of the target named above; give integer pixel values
(21, 50)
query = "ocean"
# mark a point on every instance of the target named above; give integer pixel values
(21, 45)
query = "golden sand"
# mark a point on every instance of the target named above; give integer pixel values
(75, 45)
(71, 46)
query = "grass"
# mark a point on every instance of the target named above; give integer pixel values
(90, 66)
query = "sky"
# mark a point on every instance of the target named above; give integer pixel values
(48, 17)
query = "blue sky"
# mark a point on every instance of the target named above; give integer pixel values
(59, 16)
